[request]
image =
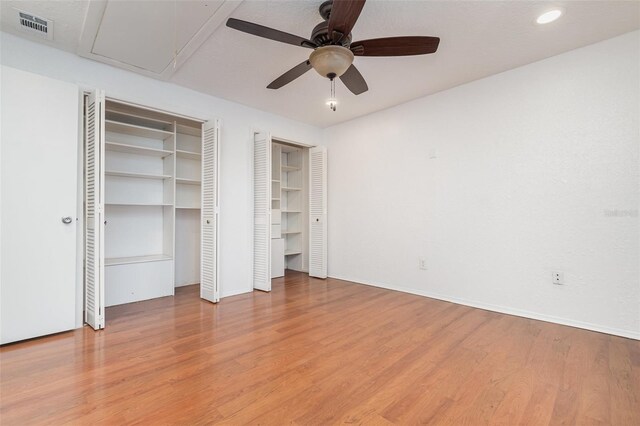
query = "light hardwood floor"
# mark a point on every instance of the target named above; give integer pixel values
(315, 352)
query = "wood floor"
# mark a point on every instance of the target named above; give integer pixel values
(316, 352)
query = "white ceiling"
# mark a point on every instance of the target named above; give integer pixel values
(478, 39)
(123, 35)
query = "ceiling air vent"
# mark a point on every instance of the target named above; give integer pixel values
(36, 25)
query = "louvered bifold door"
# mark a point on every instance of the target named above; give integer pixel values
(209, 239)
(94, 210)
(262, 212)
(318, 212)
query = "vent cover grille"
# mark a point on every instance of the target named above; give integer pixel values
(36, 25)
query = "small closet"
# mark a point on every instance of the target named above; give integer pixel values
(151, 204)
(289, 216)
(289, 209)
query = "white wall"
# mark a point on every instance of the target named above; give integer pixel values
(535, 170)
(238, 123)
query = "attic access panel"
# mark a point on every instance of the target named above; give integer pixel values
(144, 36)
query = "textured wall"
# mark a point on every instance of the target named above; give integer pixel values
(535, 171)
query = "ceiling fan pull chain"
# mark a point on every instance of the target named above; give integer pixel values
(333, 101)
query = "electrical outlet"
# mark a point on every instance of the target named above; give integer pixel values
(422, 263)
(557, 278)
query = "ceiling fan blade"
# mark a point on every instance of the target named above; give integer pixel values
(270, 33)
(354, 81)
(344, 14)
(290, 75)
(395, 46)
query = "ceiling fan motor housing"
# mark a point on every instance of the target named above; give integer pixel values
(320, 35)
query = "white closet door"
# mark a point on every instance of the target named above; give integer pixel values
(318, 212)
(262, 212)
(94, 210)
(38, 205)
(209, 239)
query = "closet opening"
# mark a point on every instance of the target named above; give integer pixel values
(289, 209)
(151, 205)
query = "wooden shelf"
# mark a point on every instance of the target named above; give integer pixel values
(290, 232)
(290, 169)
(291, 211)
(111, 261)
(135, 130)
(188, 181)
(188, 154)
(140, 204)
(292, 252)
(275, 180)
(286, 188)
(136, 175)
(138, 150)
(188, 207)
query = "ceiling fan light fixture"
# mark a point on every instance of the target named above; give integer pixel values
(331, 61)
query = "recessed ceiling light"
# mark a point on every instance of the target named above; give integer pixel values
(549, 16)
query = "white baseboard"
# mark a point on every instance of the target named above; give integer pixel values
(630, 334)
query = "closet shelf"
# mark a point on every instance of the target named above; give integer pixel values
(188, 154)
(290, 168)
(136, 175)
(290, 232)
(275, 199)
(188, 181)
(286, 188)
(291, 211)
(135, 130)
(275, 180)
(139, 204)
(111, 261)
(138, 150)
(114, 113)
(188, 207)
(292, 252)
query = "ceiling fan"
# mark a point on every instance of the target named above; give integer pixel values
(333, 50)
